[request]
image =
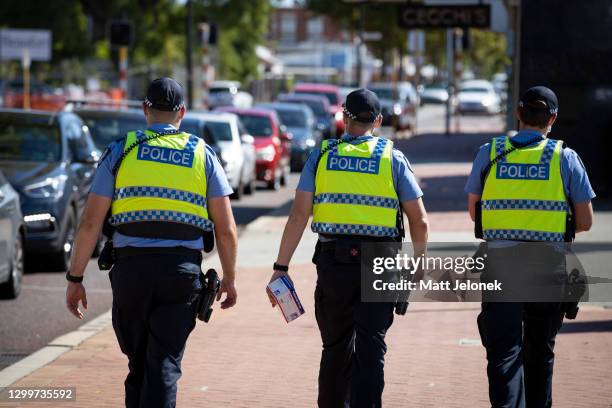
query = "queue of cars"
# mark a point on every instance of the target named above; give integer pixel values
(48, 158)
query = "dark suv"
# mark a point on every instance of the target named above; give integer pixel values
(50, 159)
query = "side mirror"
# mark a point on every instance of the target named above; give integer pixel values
(286, 137)
(89, 158)
(247, 139)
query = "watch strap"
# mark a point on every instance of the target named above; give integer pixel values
(75, 279)
(282, 268)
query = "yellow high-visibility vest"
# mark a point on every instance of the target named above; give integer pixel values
(354, 191)
(160, 188)
(523, 197)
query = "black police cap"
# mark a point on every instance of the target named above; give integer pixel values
(537, 96)
(362, 105)
(165, 94)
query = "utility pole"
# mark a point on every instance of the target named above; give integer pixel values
(188, 52)
(360, 44)
(450, 39)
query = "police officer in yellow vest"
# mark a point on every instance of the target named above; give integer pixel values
(522, 190)
(353, 187)
(166, 189)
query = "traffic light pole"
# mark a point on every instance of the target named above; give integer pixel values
(188, 53)
(450, 38)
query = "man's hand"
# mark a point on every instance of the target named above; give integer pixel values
(231, 295)
(75, 293)
(275, 276)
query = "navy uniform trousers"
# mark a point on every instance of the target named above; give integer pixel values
(353, 334)
(152, 318)
(519, 336)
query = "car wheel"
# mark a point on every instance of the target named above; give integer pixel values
(250, 187)
(62, 257)
(274, 184)
(12, 288)
(284, 176)
(237, 194)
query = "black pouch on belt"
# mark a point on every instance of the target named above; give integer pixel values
(347, 251)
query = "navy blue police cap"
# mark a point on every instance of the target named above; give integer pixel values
(165, 94)
(540, 97)
(362, 105)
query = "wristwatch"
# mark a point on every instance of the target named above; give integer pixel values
(282, 268)
(75, 279)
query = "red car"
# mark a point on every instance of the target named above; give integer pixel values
(332, 93)
(272, 144)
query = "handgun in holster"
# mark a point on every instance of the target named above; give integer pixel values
(106, 259)
(401, 304)
(204, 299)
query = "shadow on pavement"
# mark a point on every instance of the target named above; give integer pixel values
(444, 193)
(586, 327)
(438, 147)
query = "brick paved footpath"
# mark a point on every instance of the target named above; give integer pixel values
(249, 357)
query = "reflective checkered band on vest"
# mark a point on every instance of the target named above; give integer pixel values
(160, 192)
(549, 149)
(354, 229)
(500, 146)
(522, 235)
(544, 205)
(358, 199)
(161, 216)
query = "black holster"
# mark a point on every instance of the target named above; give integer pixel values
(107, 258)
(205, 297)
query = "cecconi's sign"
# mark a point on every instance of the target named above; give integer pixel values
(14, 42)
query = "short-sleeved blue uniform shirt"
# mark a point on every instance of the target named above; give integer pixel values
(575, 179)
(405, 183)
(104, 185)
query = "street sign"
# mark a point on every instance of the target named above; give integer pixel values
(14, 42)
(372, 36)
(416, 16)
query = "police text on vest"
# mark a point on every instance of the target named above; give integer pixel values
(354, 164)
(522, 171)
(165, 155)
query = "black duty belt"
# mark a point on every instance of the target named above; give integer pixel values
(127, 252)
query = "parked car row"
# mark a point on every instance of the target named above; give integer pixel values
(49, 160)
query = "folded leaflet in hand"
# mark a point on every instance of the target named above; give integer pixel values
(286, 298)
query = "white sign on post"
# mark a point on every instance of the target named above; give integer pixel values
(13, 42)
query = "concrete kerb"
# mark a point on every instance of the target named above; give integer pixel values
(53, 350)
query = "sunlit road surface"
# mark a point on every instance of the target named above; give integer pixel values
(39, 314)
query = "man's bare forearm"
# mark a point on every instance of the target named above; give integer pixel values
(419, 233)
(291, 238)
(88, 232)
(86, 240)
(227, 246)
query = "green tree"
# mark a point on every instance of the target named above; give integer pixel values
(242, 26)
(487, 53)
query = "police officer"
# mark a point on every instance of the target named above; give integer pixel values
(526, 195)
(164, 196)
(353, 190)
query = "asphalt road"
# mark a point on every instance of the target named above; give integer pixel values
(39, 314)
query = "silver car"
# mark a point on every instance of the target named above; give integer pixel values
(478, 96)
(222, 130)
(11, 241)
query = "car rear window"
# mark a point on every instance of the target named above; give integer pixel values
(30, 142)
(317, 107)
(385, 93)
(258, 126)
(220, 130)
(105, 130)
(331, 96)
(292, 118)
